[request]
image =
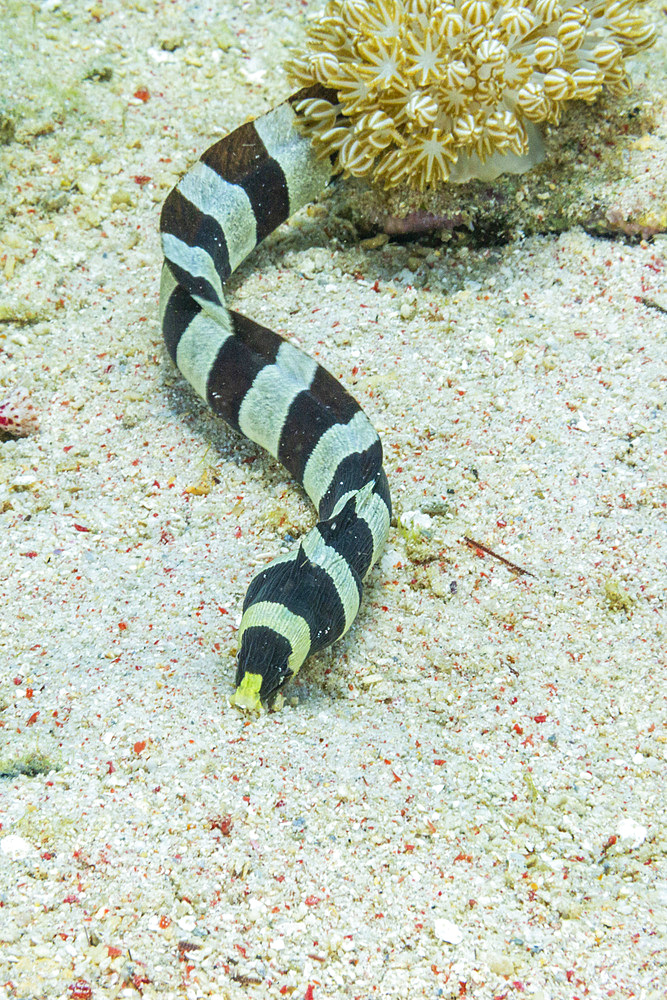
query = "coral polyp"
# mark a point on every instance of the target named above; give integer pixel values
(431, 91)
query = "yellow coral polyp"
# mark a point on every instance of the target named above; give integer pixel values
(436, 90)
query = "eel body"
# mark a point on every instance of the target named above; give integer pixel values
(239, 191)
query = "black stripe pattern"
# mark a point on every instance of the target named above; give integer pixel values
(239, 191)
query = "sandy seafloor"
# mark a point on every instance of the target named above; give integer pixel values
(466, 796)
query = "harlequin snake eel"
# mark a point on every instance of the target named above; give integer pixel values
(238, 192)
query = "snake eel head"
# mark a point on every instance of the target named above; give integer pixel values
(247, 696)
(264, 664)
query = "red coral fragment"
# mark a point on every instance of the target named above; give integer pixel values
(80, 990)
(222, 823)
(18, 415)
